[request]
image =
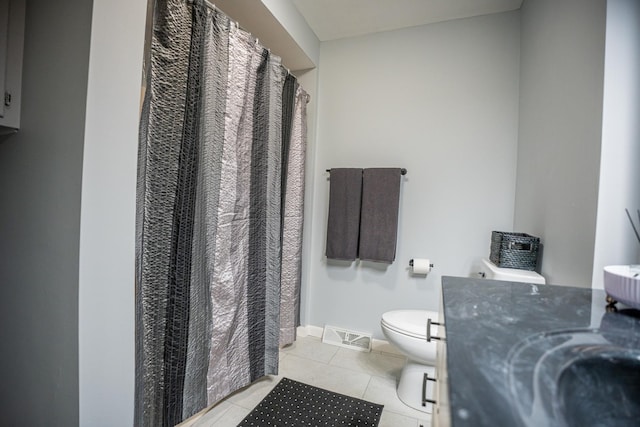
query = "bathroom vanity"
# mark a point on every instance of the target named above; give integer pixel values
(519, 354)
(12, 18)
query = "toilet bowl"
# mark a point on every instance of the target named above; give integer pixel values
(407, 331)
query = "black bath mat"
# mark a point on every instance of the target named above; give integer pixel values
(294, 404)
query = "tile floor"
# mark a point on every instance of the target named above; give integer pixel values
(370, 376)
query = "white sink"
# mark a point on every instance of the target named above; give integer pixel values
(622, 283)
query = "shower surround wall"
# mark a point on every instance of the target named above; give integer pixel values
(442, 101)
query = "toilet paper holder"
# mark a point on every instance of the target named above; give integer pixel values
(411, 264)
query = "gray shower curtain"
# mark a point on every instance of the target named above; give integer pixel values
(219, 213)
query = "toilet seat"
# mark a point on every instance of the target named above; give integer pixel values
(412, 323)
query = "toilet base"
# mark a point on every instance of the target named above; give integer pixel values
(411, 382)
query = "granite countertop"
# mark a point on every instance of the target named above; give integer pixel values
(508, 343)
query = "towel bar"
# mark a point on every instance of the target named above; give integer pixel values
(403, 171)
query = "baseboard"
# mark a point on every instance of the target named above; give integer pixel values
(310, 331)
(383, 346)
(379, 346)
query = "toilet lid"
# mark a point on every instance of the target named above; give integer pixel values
(410, 322)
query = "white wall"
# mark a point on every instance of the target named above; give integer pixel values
(442, 101)
(40, 180)
(562, 51)
(619, 170)
(106, 298)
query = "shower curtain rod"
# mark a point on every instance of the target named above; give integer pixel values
(403, 171)
(237, 24)
(214, 7)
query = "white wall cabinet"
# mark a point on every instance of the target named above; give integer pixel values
(11, 46)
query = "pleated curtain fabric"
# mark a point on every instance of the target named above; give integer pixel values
(294, 153)
(219, 213)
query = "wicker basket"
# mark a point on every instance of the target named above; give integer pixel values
(514, 250)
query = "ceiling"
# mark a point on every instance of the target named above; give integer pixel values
(335, 19)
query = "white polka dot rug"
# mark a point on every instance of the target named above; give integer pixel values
(294, 404)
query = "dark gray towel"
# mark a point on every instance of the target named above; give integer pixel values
(379, 219)
(345, 194)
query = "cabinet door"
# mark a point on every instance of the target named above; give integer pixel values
(4, 36)
(11, 47)
(442, 416)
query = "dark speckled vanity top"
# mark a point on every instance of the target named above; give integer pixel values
(539, 355)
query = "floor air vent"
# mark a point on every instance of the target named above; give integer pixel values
(345, 338)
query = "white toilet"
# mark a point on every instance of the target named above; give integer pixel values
(407, 331)
(489, 270)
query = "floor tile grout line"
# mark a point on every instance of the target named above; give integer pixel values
(309, 359)
(406, 415)
(333, 357)
(367, 387)
(389, 376)
(302, 356)
(218, 416)
(242, 407)
(385, 353)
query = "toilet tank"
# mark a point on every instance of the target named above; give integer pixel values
(490, 271)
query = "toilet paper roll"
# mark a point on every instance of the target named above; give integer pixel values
(421, 266)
